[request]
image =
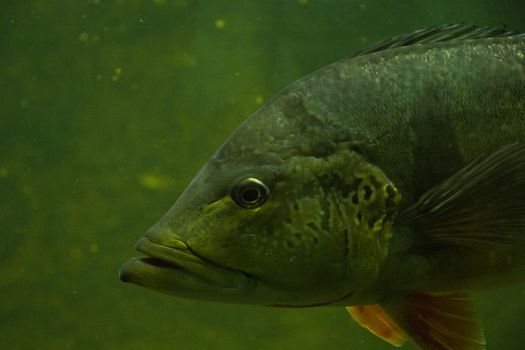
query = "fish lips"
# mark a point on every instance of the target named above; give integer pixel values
(181, 272)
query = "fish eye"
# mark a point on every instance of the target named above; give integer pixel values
(250, 193)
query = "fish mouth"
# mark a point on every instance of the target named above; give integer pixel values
(175, 269)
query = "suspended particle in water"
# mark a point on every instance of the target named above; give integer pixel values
(117, 74)
(83, 37)
(154, 182)
(24, 103)
(220, 23)
(93, 248)
(4, 172)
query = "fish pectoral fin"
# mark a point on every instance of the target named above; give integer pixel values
(378, 322)
(481, 207)
(439, 321)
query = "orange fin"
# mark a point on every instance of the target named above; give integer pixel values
(439, 321)
(377, 321)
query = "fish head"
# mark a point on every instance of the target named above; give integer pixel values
(266, 223)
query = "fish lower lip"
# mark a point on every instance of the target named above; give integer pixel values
(183, 273)
(127, 275)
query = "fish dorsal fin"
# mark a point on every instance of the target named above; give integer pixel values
(378, 322)
(481, 207)
(439, 321)
(439, 34)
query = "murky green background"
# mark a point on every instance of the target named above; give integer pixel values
(107, 109)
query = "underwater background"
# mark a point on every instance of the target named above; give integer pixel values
(108, 108)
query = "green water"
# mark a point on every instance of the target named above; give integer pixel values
(107, 110)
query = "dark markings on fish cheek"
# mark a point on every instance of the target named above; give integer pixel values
(337, 182)
(372, 221)
(355, 199)
(315, 229)
(367, 192)
(325, 217)
(312, 225)
(391, 198)
(355, 186)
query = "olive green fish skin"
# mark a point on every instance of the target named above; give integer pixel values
(415, 107)
(342, 151)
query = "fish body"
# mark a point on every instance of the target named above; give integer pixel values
(395, 178)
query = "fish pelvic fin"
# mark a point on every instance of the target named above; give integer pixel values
(481, 207)
(378, 322)
(445, 321)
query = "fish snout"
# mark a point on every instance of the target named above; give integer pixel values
(164, 235)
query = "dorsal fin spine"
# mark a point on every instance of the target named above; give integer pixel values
(455, 32)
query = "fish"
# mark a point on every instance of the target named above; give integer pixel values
(391, 183)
